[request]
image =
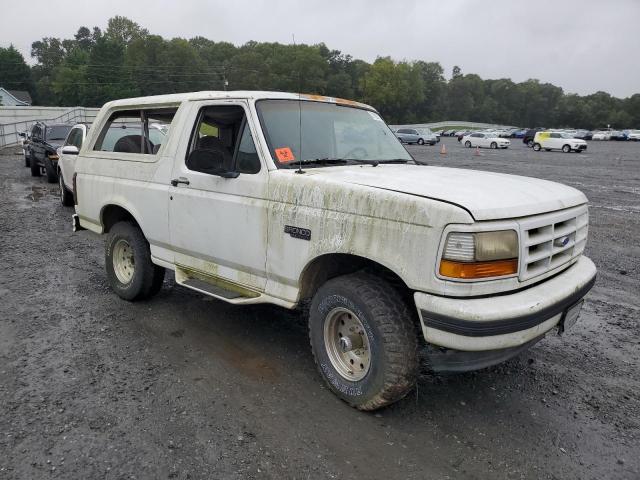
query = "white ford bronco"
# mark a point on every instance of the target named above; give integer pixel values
(303, 200)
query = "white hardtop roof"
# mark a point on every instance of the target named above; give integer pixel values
(235, 94)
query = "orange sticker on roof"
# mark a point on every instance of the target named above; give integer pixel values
(284, 155)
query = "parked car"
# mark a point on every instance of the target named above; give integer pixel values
(583, 134)
(67, 154)
(529, 135)
(413, 136)
(601, 135)
(633, 135)
(558, 141)
(485, 140)
(519, 133)
(23, 141)
(429, 137)
(618, 136)
(393, 258)
(43, 144)
(461, 134)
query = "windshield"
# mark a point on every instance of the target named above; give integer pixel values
(329, 132)
(58, 132)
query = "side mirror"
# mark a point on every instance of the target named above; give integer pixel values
(22, 134)
(209, 161)
(70, 150)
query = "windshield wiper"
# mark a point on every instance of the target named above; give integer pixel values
(318, 161)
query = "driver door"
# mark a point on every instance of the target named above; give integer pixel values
(218, 223)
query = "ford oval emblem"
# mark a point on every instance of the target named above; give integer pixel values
(562, 241)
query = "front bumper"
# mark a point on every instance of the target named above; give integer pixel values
(505, 320)
(579, 147)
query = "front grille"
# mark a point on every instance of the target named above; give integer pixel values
(552, 240)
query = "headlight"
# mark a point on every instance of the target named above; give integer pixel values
(480, 255)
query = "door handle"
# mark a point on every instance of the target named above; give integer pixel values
(176, 181)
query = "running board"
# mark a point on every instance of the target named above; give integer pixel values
(198, 284)
(215, 286)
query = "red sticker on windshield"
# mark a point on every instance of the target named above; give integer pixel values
(284, 155)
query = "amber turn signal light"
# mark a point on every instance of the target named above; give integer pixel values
(470, 270)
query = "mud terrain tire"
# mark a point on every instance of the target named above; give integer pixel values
(145, 278)
(391, 334)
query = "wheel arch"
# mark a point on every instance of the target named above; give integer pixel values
(113, 213)
(331, 265)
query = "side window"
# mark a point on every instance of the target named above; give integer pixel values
(79, 139)
(414, 132)
(247, 156)
(222, 142)
(72, 137)
(135, 131)
(555, 135)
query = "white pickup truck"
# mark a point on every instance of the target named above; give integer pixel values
(304, 200)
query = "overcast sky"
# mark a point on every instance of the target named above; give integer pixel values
(580, 45)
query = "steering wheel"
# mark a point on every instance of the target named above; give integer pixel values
(357, 152)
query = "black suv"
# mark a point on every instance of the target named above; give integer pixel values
(529, 136)
(41, 153)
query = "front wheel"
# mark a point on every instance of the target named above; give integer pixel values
(66, 198)
(364, 340)
(420, 141)
(494, 145)
(537, 147)
(131, 273)
(52, 175)
(530, 143)
(467, 144)
(566, 149)
(27, 162)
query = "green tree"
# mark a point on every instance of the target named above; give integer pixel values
(15, 74)
(123, 31)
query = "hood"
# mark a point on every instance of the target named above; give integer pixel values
(485, 195)
(55, 144)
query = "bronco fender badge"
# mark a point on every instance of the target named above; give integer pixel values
(297, 232)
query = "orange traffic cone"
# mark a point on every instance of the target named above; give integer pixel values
(477, 152)
(443, 150)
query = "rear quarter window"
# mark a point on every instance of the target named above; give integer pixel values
(135, 131)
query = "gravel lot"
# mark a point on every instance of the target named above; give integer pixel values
(184, 386)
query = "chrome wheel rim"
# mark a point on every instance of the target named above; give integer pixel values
(347, 344)
(123, 261)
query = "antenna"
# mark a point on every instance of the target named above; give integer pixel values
(293, 36)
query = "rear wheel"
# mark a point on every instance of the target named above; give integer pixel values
(35, 168)
(364, 340)
(467, 144)
(494, 145)
(131, 273)
(536, 147)
(566, 149)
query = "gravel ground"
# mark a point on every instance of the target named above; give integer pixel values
(184, 386)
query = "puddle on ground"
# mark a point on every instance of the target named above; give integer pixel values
(39, 192)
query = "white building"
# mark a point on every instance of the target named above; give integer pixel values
(14, 98)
